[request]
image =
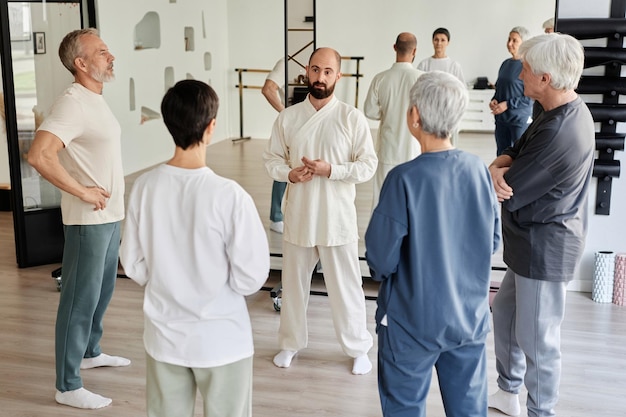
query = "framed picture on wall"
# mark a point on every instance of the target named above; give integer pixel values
(40, 42)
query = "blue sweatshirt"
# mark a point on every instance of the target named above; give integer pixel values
(430, 241)
(510, 88)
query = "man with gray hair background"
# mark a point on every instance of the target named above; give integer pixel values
(542, 182)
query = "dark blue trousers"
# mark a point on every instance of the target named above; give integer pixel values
(404, 379)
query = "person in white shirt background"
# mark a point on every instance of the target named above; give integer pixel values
(440, 61)
(274, 92)
(388, 101)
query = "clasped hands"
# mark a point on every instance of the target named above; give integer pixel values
(498, 108)
(309, 168)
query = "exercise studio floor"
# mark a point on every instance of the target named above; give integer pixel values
(319, 382)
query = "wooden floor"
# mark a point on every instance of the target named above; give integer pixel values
(319, 382)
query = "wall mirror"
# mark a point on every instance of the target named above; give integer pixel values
(32, 78)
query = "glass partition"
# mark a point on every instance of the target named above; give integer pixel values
(33, 77)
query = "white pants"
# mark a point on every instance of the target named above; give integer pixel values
(342, 276)
(226, 390)
(379, 178)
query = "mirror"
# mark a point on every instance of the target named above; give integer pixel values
(33, 77)
(38, 79)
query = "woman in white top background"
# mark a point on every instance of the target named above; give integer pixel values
(440, 61)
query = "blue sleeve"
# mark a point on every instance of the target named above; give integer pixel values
(519, 102)
(386, 231)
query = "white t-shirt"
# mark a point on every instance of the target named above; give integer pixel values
(195, 240)
(92, 154)
(278, 76)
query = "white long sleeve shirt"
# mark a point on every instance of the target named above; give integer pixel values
(388, 101)
(321, 211)
(195, 240)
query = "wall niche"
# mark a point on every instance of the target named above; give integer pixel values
(148, 32)
(131, 94)
(148, 114)
(168, 77)
(189, 38)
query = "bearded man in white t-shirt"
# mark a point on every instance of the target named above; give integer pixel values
(78, 149)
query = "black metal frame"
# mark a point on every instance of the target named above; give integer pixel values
(611, 86)
(43, 226)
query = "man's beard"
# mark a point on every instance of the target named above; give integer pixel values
(320, 93)
(102, 76)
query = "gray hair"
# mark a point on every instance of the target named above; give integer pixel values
(548, 24)
(562, 56)
(522, 32)
(71, 47)
(441, 100)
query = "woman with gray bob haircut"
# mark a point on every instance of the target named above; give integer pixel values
(512, 110)
(441, 100)
(429, 242)
(522, 32)
(561, 56)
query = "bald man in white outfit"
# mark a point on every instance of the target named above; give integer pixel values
(322, 147)
(388, 101)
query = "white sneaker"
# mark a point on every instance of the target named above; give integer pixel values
(276, 226)
(506, 402)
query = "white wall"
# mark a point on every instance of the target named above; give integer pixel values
(147, 144)
(255, 34)
(249, 34)
(479, 31)
(606, 233)
(368, 28)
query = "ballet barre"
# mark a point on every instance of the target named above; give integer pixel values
(241, 87)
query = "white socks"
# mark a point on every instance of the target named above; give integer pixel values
(284, 357)
(362, 365)
(506, 402)
(81, 398)
(103, 360)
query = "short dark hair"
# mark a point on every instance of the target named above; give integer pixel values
(443, 31)
(187, 110)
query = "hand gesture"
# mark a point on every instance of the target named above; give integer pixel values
(96, 196)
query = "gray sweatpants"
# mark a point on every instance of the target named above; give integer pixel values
(527, 317)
